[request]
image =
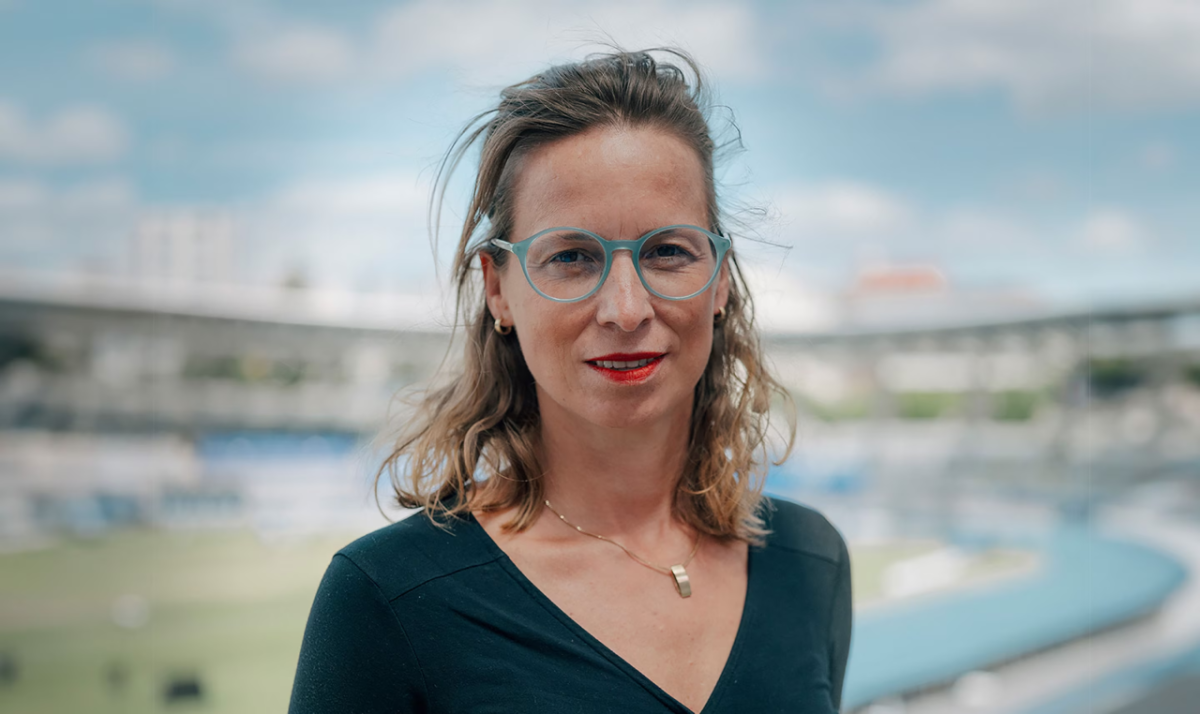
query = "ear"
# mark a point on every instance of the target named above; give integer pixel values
(722, 296)
(493, 290)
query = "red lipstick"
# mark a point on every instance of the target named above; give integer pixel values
(626, 374)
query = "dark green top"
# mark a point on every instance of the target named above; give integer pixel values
(412, 618)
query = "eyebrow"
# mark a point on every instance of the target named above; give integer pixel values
(577, 235)
(674, 229)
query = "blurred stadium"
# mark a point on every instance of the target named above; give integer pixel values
(181, 459)
(199, 363)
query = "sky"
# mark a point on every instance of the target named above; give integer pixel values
(1044, 146)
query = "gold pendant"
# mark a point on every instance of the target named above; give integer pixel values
(682, 584)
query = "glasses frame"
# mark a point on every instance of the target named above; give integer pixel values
(520, 249)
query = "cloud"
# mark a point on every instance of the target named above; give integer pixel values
(493, 40)
(836, 228)
(490, 36)
(389, 195)
(1071, 55)
(360, 232)
(842, 209)
(134, 60)
(1111, 230)
(357, 232)
(110, 194)
(783, 303)
(21, 195)
(365, 232)
(76, 135)
(299, 54)
(63, 227)
(976, 229)
(837, 225)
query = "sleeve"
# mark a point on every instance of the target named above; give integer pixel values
(355, 656)
(840, 626)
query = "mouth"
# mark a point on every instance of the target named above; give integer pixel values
(627, 368)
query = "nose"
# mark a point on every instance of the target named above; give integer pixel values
(622, 299)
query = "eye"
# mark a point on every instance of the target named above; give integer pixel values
(568, 256)
(667, 250)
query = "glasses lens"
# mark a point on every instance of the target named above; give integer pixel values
(565, 264)
(678, 262)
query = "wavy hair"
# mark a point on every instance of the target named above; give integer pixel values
(470, 442)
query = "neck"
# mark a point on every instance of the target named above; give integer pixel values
(618, 482)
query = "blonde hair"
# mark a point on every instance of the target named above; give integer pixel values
(472, 443)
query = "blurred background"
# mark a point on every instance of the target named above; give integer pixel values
(967, 225)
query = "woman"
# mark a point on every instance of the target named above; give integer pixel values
(594, 537)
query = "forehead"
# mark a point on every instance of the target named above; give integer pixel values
(616, 181)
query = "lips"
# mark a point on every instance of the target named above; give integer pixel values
(629, 364)
(627, 368)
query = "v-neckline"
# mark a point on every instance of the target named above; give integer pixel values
(727, 671)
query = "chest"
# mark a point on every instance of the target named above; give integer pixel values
(680, 644)
(489, 640)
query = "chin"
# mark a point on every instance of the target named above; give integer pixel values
(623, 418)
(643, 412)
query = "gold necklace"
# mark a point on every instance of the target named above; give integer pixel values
(683, 584)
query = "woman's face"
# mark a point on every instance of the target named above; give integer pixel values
(618, 183)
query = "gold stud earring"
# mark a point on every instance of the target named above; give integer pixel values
(719, 317)
(501, 329)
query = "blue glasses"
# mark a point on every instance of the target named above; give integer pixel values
(569, 264)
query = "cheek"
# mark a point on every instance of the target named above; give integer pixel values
(701, 348)
(695, 332)
(547, 333)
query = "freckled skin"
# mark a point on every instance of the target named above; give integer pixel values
(618, 183)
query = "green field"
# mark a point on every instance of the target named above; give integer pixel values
(222, 607)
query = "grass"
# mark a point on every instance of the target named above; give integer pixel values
(868, 562)
(1016, 405)
(927, 405)
(222, 606)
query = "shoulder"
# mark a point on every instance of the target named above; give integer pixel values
(803, 530)
(406, 554)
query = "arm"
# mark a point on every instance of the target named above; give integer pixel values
(355, 656)
(840, 625)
